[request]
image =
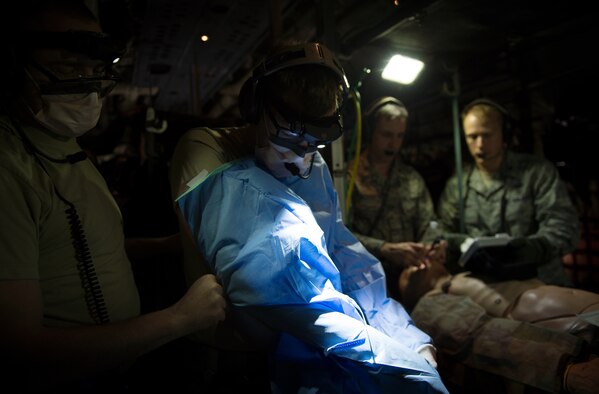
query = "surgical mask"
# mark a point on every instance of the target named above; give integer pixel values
(70, 115)
(275, 158)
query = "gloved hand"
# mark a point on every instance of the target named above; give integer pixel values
(535, 250)
(430, 354)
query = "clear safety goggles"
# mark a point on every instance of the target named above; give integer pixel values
(82, 64)
(304, 136)
(76, 77)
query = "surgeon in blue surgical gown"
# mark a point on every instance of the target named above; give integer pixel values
(270, 228)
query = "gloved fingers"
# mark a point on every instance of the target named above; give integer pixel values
(518, 242)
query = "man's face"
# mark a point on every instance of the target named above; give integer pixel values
(484, 137)
(387, 137)
(65, 72)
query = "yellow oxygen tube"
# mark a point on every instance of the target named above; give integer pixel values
(355, 96)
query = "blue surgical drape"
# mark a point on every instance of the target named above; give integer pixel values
(285, 258)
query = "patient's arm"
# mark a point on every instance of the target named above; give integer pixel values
(553, 306)
(519, 351)
(558, 308)
(550, 302)
(493, 302)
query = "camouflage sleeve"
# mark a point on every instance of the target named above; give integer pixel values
(447, 206)
(373, 245)
(554, 211)
(448, 214)
(529, 354)
(425, 211)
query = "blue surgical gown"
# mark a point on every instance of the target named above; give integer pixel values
(284, 256)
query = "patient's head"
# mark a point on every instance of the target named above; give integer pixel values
(416, 281)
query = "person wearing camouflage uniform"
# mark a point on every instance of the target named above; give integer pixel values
(408, 210)
(511, 193)
(391, 207)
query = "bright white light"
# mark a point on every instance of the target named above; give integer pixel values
(402, 69)
(115, 61)
(204, 38)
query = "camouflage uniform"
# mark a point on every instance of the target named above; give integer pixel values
(467, 337)
(405, 217)
(526, 198)
(408, 208)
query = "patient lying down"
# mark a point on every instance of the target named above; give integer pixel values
(526, 331)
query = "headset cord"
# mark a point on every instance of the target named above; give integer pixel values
(357, 150)
(94, 298)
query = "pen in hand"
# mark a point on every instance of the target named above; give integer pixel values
(434, 245)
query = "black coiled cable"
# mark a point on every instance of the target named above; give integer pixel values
(94, 298)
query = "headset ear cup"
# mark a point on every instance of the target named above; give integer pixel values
(505, 133)
(507, 130)
(250, 102)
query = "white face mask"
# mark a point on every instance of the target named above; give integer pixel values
(275, 157)
(70, 115)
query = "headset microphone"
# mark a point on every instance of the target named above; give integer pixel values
(295, 171)
(293, 168)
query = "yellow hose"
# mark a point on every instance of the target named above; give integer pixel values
(358, 147)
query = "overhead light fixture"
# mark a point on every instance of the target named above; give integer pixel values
(204, 38)
(402, 69)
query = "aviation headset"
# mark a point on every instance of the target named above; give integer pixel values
(506, 121)
(251, 96)
(374, 107)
